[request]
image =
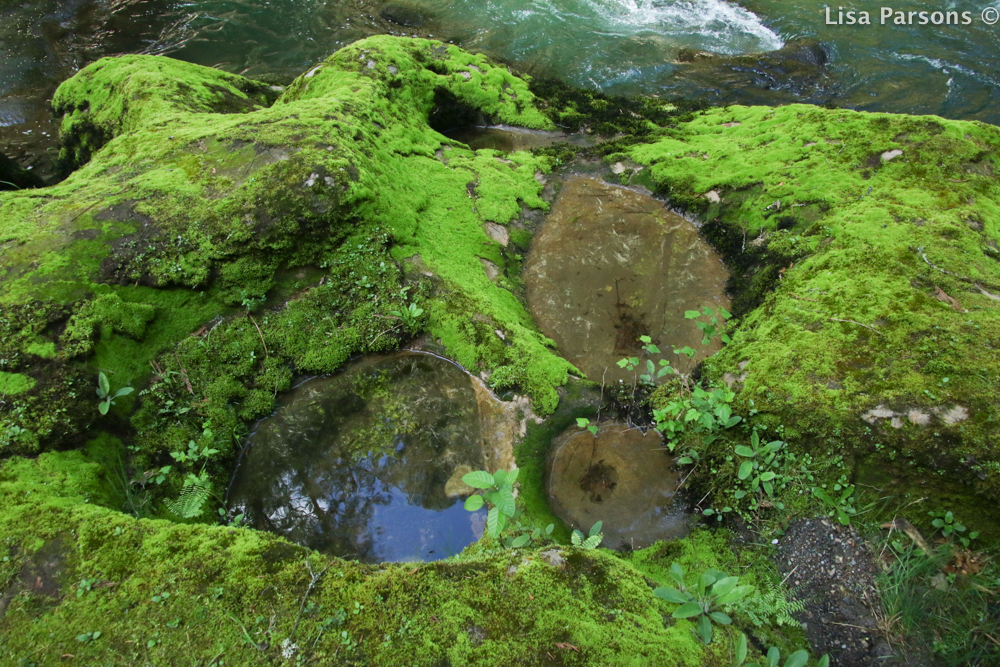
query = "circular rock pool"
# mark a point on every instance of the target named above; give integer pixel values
(367, 464)
(621, 477)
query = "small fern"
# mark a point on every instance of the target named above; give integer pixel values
(769, 605)
(591, 541)
(193, 497)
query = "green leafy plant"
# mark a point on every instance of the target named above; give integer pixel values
(526, 535)
(410, 315)
(945, 522)
(104, 393)
(88, 637)
(498, 492)
(583, 422)
(696, 412)
(799, 658)
(715, 326)
(761, 467)
(590, 541)
(86, 585)
(713, 590)
(842, 505)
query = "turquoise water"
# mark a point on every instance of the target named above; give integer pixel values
(630, 46)
(762, 51)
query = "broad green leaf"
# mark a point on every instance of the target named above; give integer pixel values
(739, 494)
(672, 595)
(743, 450)
(622, 363)
(824, 661)
(687, 610)
(691, 314)
(773, 655)
(823, 495)
(725, 313)
(103, 407)
(645, 339)
(734, 595)
(768, 488)
(704, 581)
(549, 528)
(798, 659)
(124, 391)
(692, 415)
(767, 476)
(741, 649)
(582, 422)
(480, 479)
(726, 339)
(686, 460)
(720, 618)
(754, 440)
(500, 478)
(505, 501)
(705, 629)
(596, 528)
(677, 574)
(745, 469)
(652, 349)
(843, 517)
(103, 384)
(493, 521)
(512, 476)
(775, 445)
(724, 585)
(949, 517)
(473, 503)
(520, 541)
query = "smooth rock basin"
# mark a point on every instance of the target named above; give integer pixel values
(621, 477)
(609, 265)
(367, 464)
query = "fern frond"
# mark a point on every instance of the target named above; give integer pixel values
(191, 501)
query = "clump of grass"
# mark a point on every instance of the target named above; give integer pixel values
(932, 613)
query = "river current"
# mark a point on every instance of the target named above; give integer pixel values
(759, 51)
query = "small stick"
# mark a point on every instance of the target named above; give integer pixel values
(312, 583)
(834, 319)
(259, 334)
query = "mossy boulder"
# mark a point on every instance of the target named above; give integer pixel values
(282, 231)
(866, 271)
(156, 591)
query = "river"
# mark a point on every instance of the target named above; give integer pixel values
(617, 46)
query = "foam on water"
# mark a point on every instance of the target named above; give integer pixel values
(723, 27)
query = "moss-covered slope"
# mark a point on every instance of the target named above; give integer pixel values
(878, 236)
(160, 593)
(276, 234)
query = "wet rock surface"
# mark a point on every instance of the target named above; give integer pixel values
(828, 567)
(621, 477)
(610, 265)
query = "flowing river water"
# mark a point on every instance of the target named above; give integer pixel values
(657, 47)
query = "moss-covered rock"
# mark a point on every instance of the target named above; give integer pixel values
(276, 233)
(156, 591)
(865, 258)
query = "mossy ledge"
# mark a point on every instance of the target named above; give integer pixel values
(867, 271)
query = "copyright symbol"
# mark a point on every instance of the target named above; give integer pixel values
(991, 15)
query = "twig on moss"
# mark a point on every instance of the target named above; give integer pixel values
(259, 334)
(314, 577)
(834, 319)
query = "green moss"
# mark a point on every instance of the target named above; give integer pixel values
(163, 590)
(203, 197)
(12, 384)
(853, 271)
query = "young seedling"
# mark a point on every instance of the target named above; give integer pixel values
(104, 393)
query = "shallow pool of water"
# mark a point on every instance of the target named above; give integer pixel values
(609, 265)
(622, 477)
(365, 464)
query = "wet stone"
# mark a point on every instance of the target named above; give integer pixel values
(367, 464)
(621, 477)
(610, 265)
